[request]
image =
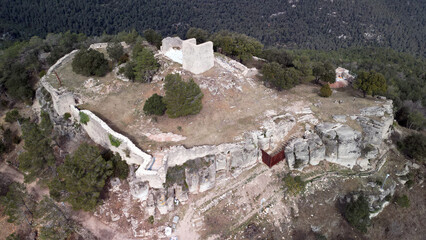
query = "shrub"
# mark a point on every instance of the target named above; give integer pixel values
(151, 219)
(114, 141)
(402, 201)
(84, 118)
(144, 65)
(121, 169)
(12, 116)
(67, 116)
(153, 37)
(41, 73)
(115, 51)
(278, 77)
(325, 91)
(294, 185)
(154, 105)
(414, 146)
(90, 63)
(182, 98)
(357, 213)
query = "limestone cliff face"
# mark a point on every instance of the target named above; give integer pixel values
(341, 144)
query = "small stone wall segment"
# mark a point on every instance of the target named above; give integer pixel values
(170, 43)
(197, 58)
(99, 132)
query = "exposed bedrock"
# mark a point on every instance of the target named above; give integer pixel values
(341, 144)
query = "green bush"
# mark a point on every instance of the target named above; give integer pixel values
(414, 146)
(325, 91)
(357, 213)
(90, 63)
(115, 51)
(84, 118)
(154, 105)
(278, 77)
(144, 65)
(402, 201)
(67, 116)
(41, 73)
(12, 116)
(294, 185)
(151, 219)
(182, 98)
(114, 141)
(153, 37)
(121, 169)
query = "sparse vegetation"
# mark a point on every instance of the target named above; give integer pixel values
(414, 146)
(12, 116)
(357, 213)
(154, 105)
(67, 116)
(402, 201)
(84, 118)
(90, 63)
(151, 219)
(294, 185)
(114, 141)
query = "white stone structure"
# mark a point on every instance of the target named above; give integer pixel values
(194, 58)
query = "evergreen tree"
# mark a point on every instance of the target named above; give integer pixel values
(144, 66)
(115, 51)
(182, 98)
(90, 63)
(154, 105)
(153, 37)
(200, 34)
(38, 157)
(325, 90)
(82, 177)
(371, 83)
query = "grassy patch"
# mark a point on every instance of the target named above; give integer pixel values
(114, 141)
(294, 185)
(84, 118)
(402, 201)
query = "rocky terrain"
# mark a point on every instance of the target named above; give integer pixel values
(208, 180)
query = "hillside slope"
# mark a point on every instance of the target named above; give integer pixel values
(294, 23)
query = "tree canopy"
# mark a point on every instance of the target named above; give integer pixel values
(371, 83)
(115, 51)
(182, 98)
(278, 77)
(238, 46)
(154, 105)
(82, 177)
(90, 63)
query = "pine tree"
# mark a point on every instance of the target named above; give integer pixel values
(182, 98)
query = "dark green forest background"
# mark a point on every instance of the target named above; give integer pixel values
(307, 24)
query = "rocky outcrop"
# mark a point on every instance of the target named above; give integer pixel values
(341, 144)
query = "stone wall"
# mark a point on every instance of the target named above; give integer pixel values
(99, 132)
(197, 58)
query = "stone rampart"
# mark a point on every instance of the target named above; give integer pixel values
(100, 133)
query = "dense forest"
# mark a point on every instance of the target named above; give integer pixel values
(307, 24)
